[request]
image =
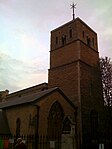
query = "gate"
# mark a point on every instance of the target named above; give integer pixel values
(38, 142)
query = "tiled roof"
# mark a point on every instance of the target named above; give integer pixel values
(36, 88)
(4, 128)
(26, 99)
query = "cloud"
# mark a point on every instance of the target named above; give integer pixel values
(15, 74)
(25, 35)
(100, 20)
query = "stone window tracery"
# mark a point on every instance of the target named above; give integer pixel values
(55, 119)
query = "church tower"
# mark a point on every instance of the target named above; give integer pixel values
(73, 58)
(74, 68)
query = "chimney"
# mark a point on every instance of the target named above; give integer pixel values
(3, 95)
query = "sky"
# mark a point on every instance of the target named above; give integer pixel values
(25, 27)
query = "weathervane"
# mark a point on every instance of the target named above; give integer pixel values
(73, 6)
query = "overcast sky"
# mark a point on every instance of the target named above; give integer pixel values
(25, 27)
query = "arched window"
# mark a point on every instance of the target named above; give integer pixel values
(94, 124)
(56, 40)
(83, 34)
(93, 41)
(63, 39)
(18, 124)
(88, 41)
(55, 119)
(70, 33)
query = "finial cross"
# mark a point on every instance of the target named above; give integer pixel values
(73, 6)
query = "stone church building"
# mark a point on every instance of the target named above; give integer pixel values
(68, 111)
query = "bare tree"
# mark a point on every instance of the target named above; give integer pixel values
(106, 73)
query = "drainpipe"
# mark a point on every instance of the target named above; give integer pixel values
(76, 133)
(37, 127)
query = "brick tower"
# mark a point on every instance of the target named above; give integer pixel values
(74, 69)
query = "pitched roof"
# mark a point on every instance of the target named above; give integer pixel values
(36, 88)
(25, 99)
(4, 128)
(30, 98)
